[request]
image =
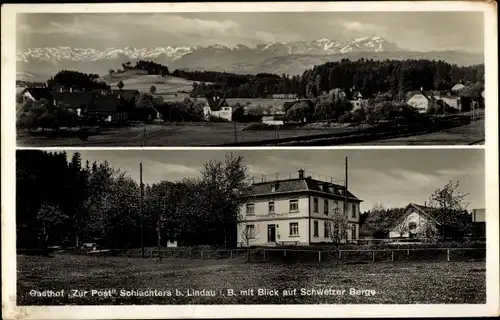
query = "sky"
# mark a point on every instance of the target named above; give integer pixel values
(389, 177)
(421, 31)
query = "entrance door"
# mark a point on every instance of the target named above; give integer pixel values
(271, 233)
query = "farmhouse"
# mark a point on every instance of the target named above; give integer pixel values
(285, 96)
(295, 210)
(421, 100)
(277, 119)
(414, 221)
(107, 108)
(37, 94)
(217, 107)
(76, 101)
(457, 87)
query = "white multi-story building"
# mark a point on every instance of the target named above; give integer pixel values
(295, 211)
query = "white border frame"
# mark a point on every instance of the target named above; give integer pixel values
(8, 43)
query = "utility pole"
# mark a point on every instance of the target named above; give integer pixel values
(235, 133)
(345, 187)
(142, 211)
(158, 227)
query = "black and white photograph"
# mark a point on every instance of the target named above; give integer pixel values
(142, 227)
(236, 160)
(250, 79)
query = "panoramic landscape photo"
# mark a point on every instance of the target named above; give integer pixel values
(250, 79)
(156, 227)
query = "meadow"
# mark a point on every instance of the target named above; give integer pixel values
(405, 282)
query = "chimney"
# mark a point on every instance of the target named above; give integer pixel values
(421, 88)
(60, 89)
(301, 174)
(425, 204)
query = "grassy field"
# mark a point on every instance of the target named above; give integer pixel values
(377, 283)
(182, 134)
(469, 134)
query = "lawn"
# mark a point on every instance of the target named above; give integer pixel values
(182, 134)
(473, 133)
(371, 283)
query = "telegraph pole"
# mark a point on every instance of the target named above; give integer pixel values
(345, 186)
(158, 227)
(142, 211)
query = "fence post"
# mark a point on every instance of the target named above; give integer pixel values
(408, 254)
(448, 254)
(319, 256)
(264, 254)
(392, 255)
(373, 256)
(201, 254)
(231, 253)
(340, 254)
(284, 253)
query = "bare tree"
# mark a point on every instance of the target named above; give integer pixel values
(249, 236)
(451, 209)
(338, 226)
(428, 233)
(402, 229)
(449, 198)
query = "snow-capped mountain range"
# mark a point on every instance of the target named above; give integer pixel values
(276, 57)
(320, 46)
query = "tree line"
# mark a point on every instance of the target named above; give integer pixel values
(151, 67)
(396, 77)
(77, 80)
(64, 202)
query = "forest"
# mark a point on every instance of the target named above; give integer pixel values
(370, 77)
(63, 202)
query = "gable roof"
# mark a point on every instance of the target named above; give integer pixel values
(216, 104)
(39, 93)
(457, 87)
(429, 95)
(73, 99)
(300, 185)
(127, 95)
(104, 104)
(428, 212)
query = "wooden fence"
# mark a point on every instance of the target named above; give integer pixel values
(360, 255)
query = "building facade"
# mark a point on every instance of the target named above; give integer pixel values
(295, 211)
(413, 222)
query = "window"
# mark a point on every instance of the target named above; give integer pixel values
(326, 231)
(294, 229)
(353, 232)
(250, 208)
(412, 226)
(250, 231)
(325, 207)
(294, 205)
(273, 188)
(315, 205)
(271, 206)
(353, 210)
(316, 228)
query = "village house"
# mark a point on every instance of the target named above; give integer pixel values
(277, 119)
(356, 99)
(107, 108)
(285, 96)
(295, 210)
(75, 101)
(456, 88)
(217, 107)
(413, 222)
(421, 100)
(37, 94)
